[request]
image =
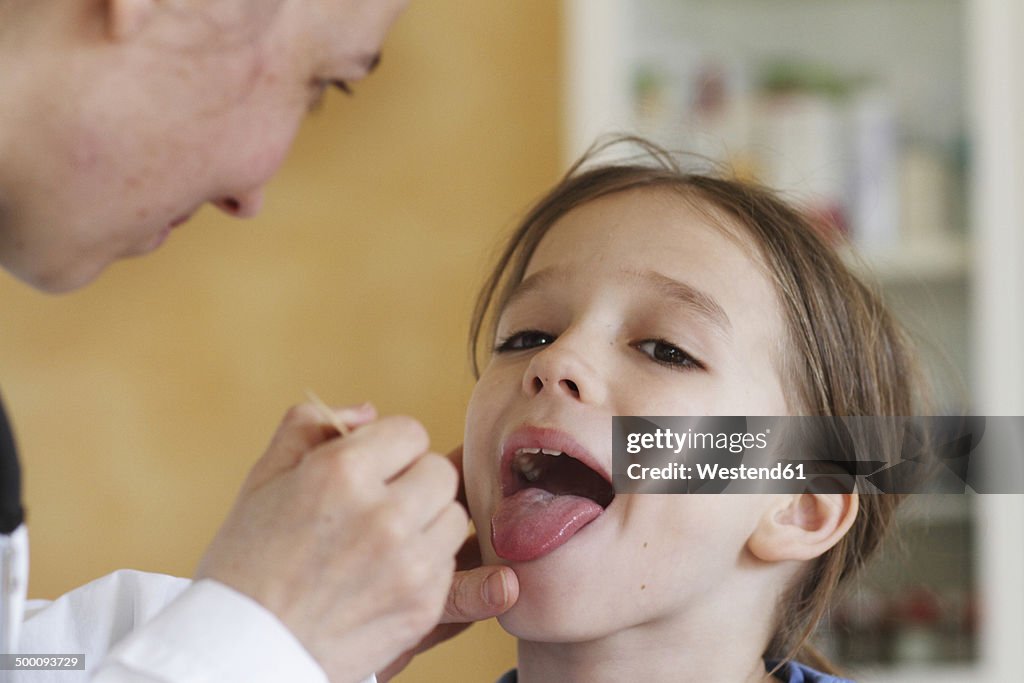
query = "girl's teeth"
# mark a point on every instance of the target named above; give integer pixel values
(528, 465)
(525, 464)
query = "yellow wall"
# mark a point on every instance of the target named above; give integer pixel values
(141, 402)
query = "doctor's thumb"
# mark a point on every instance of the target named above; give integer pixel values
(480, 593)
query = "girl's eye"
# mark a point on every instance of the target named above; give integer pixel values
(668, 354)
(527, 339)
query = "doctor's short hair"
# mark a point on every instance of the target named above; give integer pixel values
(845, 354)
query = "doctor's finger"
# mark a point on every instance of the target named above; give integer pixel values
(424, 490)
(455, 458)
(376, 452)
(480, 593)
(443, 536)
(302, 428)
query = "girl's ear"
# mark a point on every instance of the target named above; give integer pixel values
(126, 17)
(802, 526)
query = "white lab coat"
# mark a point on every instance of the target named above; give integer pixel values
(163, 629)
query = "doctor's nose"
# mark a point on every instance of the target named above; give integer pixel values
(241, 204)
(560, 371)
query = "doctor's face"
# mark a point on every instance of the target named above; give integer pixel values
(192, 104)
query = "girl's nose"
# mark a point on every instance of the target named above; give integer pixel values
(559, 370)
(241, 204)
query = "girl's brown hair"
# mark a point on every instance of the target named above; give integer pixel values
(846, 356)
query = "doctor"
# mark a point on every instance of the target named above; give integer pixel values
(119, 119)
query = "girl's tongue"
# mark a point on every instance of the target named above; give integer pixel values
(533, 522)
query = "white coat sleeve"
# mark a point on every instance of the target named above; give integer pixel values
(166, 630)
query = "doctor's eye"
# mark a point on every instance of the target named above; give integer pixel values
(319, 90)
(341, 85)
(527, 339)
(661, 351)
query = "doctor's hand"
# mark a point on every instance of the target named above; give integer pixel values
(350, 541)
(477, 593)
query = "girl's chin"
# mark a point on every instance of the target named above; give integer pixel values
(549, 609)
(541, 626)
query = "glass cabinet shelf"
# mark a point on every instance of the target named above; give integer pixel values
(878, 117)
(944, 259)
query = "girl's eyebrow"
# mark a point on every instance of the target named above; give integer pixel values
(538, 280)
(693, 298)
(697, 300)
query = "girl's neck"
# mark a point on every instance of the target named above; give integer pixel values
(651, 653)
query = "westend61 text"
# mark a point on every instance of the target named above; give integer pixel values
(714, 472)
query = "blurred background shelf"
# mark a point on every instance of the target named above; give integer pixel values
(900, 125)
(938, 508)
(925, 674)
(941, 260)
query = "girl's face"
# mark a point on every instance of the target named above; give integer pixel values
(633, 304)
(199, 104)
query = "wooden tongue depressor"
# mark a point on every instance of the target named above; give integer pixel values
(327, 413)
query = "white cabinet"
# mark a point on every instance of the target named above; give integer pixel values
(904, 121)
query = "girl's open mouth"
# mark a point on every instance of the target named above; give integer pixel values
(550, 491)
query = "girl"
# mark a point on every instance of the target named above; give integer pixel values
(639, 289)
